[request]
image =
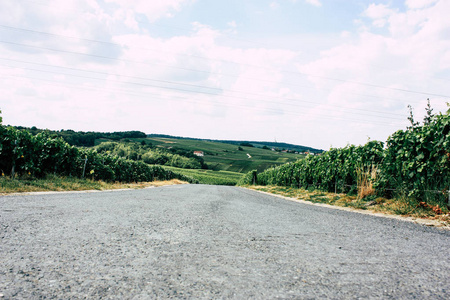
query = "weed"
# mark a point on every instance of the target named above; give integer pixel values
(400, 205)
(55, 183)
(365, 179)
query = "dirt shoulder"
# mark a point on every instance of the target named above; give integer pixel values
(440, 221)
(80, 186)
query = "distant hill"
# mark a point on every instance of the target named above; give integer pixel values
(275, 145)
(217, 155)
(234, 157)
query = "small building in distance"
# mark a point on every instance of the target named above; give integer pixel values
(199, 153)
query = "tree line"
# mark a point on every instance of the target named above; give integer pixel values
(85, 139)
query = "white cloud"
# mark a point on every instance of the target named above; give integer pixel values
(232, 24)
(417, 4)
(317, 3)
(314, 2)
(154, 9)
(379, 13)
(274, 5)
(406, 58)
(177, 84)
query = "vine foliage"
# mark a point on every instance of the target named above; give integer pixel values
(22, 154)
(414, 162)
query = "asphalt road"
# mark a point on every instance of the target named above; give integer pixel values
(211, 242)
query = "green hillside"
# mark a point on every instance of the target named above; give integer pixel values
(209, 176)
(233, 156)
(258, 144)
(227, 157)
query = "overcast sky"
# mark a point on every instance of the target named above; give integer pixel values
(320, 73)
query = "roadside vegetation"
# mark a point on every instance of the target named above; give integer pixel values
(59, 183)
(401, 205)
(178, 152)
(23, 155)
(409, 174)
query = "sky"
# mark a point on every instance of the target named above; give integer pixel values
(318, 73)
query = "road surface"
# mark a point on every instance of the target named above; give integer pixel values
(211, 242)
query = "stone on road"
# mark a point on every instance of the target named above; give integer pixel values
(208, 242)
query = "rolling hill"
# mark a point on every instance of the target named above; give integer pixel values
(228, 156)
(258, 144)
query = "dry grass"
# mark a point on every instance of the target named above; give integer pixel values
(399, 206)
(365, 179)
(54, 183)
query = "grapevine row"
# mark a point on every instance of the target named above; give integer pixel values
(24, 154)
(412, 161)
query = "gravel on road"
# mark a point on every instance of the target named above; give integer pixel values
(211, 242)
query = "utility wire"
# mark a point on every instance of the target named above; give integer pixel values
(191, 85)
(190, 100)
(284, 71)
(186, 30)
(179, 89)
(190, 55)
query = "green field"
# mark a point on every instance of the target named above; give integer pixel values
(210, 176)
(227, 157)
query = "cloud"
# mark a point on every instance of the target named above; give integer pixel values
(379, 13)
(232, 24)
(417, 4)
(153, 10)
(177, 83)
(370, 69)
(314, 2)
(274, 5)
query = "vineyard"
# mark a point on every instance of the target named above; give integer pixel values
(210, 176)
(413, 163)
(22, 154)
(150, 155)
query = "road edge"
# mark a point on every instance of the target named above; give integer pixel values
(424, 222)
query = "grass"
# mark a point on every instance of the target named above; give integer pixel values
(399, 206)
(227, 157)
(210, 176)
(365, 179)
(56, 183)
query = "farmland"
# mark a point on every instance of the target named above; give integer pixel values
(209, 176)
(221, 162)
(226, 157)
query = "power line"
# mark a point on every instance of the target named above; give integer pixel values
(190, 100)
(121, 46)
(190, 91)
(189, 85)
(173, 28)
(194, 70)
(153, 24)
(197, 56)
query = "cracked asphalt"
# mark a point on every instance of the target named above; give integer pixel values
(211, 242)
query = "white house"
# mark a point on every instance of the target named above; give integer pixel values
(199, 153)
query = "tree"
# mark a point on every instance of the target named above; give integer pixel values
(246, 144)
